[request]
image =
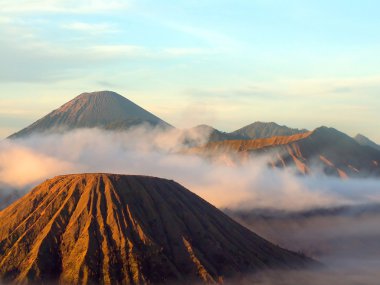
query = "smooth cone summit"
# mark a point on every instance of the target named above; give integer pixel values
(102, 109)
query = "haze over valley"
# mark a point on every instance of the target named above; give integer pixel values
(103, 132)
(189, 142)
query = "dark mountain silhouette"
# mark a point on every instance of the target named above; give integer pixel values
(118, 229)
(104, 109)
(259, 130)
(256, 130)
(8, 196)
(206, 132)
(324, 148)
(215, 135)
(363, 140)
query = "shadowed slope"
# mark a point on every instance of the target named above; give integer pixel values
(363, 140)
(104, 109)
(209, 133)
(103, 228)
(334, 152)
(258, 130)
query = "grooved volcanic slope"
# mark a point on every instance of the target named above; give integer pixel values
(118, 229)
(103, 109)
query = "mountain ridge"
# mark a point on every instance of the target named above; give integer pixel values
(335, 152)
(256, 130)
(363, 140)
(260, 129)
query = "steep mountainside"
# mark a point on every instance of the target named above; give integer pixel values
(259, 130)
(208, 132)
(327, 149)
(363, 140)
(104, 109)
(256, 130)
(117, 229)
(215, 135)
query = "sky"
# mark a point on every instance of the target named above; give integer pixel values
(224, 63)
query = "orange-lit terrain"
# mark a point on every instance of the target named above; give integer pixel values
(326, 149)
(117, 229)
(189, 142)
(248, 145)
(130, 229)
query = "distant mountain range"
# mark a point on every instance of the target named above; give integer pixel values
(109, 110)
(118, 229)
(256, 130)
(260, 130)
(326, 148)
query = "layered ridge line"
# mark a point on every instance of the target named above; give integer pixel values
(324, 150)
(248, 145)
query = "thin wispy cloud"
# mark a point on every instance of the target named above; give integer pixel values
(5, 20)
(211, 37)
(238, 93)
(116, 50)
(186, 51)
(92, 28)
(62, 6)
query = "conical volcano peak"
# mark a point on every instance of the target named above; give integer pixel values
(100, 95)
(94, 96)
(101, 109)
(120, 229)
(107, 102)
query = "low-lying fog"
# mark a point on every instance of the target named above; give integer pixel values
(335, 221)
(345, 239)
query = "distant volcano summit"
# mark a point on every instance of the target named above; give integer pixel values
(103, 109)
(119, 229)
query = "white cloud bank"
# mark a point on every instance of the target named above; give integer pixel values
(144, 151)
(346, 243)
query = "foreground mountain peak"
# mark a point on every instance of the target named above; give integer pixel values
(101, 109)
(118, 229)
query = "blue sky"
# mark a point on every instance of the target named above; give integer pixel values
(223, 63)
